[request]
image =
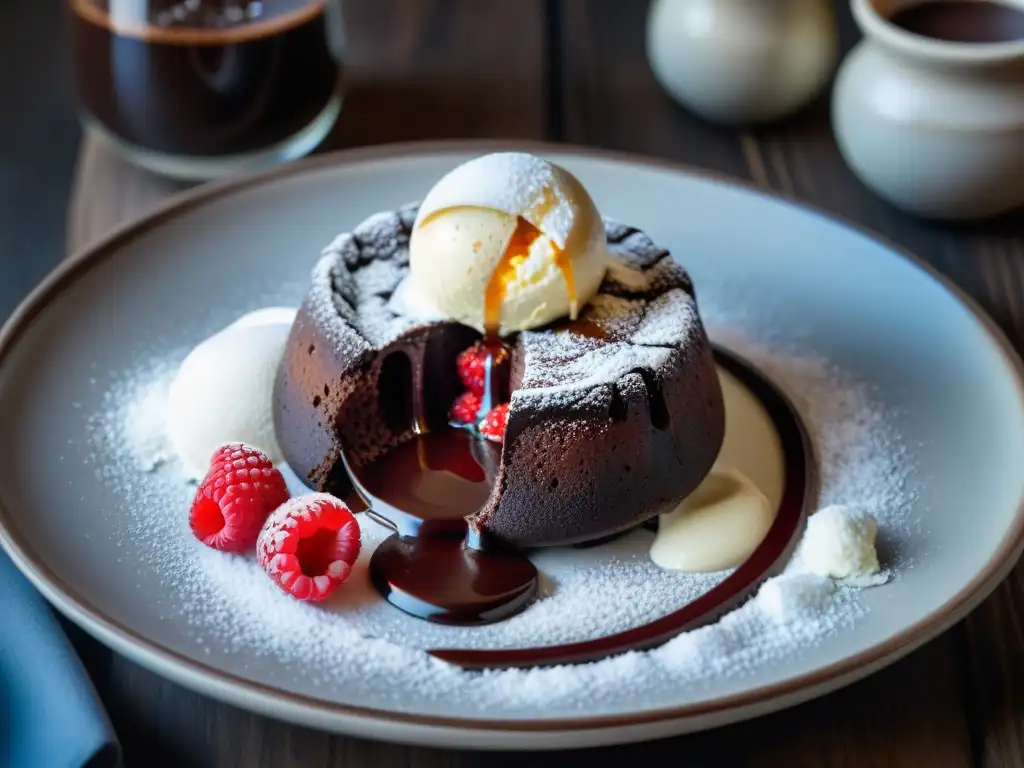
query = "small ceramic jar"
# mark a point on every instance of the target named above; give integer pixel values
(935, 127)
(742, 61)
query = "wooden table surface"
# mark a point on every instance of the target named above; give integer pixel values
(575, 71)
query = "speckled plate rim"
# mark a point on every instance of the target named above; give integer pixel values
(474, 732)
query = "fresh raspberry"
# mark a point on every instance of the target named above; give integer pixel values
(308, 545)
(231, 504)
(494, 423)
(465, 408)
(472, 366)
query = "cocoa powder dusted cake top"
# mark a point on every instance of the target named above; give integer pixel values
(635, 364)
(645, 306)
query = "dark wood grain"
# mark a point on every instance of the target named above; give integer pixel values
(452, 69)
(995, 677)
(107, 192)
(38, 143)
(442, 69)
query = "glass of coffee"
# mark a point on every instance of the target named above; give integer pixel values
(198, 89)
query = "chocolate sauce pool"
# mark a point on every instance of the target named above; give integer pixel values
(436, 566)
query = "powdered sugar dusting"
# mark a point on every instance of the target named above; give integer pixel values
(561, 365)
(861, 461)
(134, 415)
(518, 183)
(630, 278)
(645, 309)
(353, 641)
(639, 334)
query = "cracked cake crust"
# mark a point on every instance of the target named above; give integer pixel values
(613, 419)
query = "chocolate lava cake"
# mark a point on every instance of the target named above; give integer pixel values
(614, 418)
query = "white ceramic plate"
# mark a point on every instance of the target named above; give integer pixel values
(166, 282)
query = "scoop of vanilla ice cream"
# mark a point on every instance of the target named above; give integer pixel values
(467, 221)
(223, 391)
(267, 316)
(840, 543)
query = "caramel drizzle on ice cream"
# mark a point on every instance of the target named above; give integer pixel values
(517, 251)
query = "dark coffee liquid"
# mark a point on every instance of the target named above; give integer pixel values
(193, 79)
(963, 21)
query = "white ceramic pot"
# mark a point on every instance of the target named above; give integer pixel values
(935, 127)
(741, 60)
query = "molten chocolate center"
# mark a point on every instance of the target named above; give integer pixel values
(436, 565)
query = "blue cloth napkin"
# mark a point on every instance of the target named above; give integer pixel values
(50, 715)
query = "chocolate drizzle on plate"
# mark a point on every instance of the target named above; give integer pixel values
(799, 493)
(437, 567)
